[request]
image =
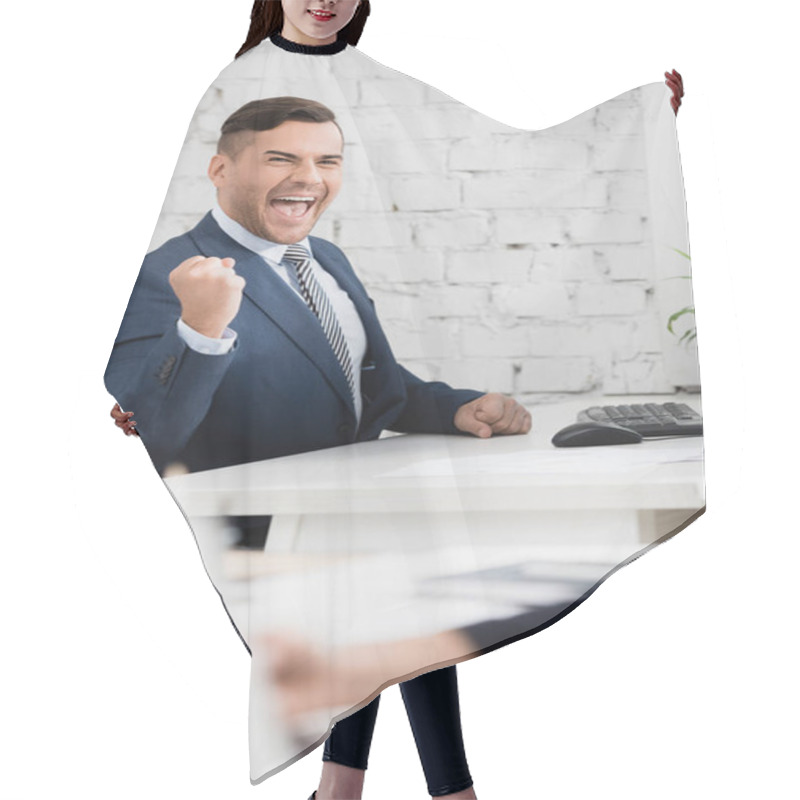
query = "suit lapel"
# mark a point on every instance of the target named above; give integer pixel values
(277, 300)
(347, 281)
(381, 384)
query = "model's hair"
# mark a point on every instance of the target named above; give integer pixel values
(266, 18)
(266, 114)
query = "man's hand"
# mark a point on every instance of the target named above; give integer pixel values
(675, 82)
(492, 414)
(306, 680)
(210, 292)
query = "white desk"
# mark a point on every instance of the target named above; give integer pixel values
(392, 539)
(509, 486)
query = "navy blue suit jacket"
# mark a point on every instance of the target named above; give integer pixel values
(280, 390)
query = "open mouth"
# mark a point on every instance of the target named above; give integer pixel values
(293, 206)
(323, 16)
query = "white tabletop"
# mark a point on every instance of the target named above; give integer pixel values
(461, 473)
(412, 536)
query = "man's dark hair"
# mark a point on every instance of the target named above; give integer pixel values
(266, 114)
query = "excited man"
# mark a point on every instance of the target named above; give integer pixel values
(246, 338)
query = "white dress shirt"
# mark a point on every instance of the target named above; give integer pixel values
(272, 254)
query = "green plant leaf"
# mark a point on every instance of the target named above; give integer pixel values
(676, 316)
(691, 333)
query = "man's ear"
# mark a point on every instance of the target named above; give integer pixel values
(217, 169)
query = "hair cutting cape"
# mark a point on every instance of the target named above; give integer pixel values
(547, 265)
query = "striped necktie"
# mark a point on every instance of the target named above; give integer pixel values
(298, 259)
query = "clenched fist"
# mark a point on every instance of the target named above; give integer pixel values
(210, 292)
(492, 414)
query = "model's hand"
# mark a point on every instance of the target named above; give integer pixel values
(210, 292)
(492, 414)
(675, 82)
(124, 420)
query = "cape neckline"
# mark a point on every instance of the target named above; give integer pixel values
(308, 49)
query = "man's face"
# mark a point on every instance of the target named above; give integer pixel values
(282, 180)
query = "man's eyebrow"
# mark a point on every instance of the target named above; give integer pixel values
(292, 155)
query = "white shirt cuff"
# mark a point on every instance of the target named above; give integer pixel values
(205, 344)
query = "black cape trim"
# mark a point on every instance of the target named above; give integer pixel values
(308, 49)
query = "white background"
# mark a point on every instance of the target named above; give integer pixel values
(121, 675)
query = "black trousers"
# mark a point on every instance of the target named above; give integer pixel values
(431, 701)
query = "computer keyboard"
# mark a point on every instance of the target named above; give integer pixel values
(649, 419)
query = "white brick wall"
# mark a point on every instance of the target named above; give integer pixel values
(379, 265)
(610, 299)
(422, 193)
(489, 265)
(519, 151)
(542, 300)
(499, 259)
(530, 227)
(552, 189)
